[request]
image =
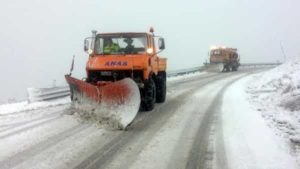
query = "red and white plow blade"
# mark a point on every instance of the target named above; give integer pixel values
(113, 103)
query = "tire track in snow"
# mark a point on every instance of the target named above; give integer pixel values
(30, 127)
(155, 120)
(105, 154)
(201, 154)
(40, 147)
(189, 123)
(30, 124)
(23, 123)
(30, 117)
(33, 109)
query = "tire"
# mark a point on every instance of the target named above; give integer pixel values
(161, 87)
(234, 68)
(149, 95)
(226, 68)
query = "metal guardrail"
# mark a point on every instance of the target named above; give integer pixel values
(259, 64)
(185, 71)
(42, 94)
(203, 68)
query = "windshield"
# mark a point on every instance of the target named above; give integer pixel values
(120, 44)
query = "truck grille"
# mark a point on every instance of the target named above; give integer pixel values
(113, 75)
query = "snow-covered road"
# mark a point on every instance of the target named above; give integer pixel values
(192, 129)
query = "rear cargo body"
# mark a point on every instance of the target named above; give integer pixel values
(225, 59)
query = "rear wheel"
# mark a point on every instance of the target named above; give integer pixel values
(234, 68)
(161, 87)
(227, 68)
(149, 95)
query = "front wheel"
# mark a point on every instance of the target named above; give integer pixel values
(149, 95)
(161, 87)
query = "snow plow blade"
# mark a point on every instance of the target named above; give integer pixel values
(214, 67)
(114, 103)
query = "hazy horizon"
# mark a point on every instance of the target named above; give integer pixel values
(38, 39)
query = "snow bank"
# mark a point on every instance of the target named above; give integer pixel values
(249, 142)
(282, 83)
(25, 106)
(276, 94)
(185, 76)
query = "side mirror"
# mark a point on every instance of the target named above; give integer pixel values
(161, 43)
(86, 45)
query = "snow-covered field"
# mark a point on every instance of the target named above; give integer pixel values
(255, 124)
(26, 106)
(276, 95)
(249, 142)
(261, 118)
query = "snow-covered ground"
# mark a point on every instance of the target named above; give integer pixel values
(261, 119)
(260, 126)
(276, 94)
(27, 129)
(249, 142)
(173, 79)
(26, 106)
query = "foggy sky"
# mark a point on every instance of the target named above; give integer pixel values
(39, 38)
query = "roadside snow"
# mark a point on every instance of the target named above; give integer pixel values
(40, 129)
(276, 94)
(17, 139)
(185, 76)
(249, 142)
(171, 146)
(281, 85)
(25, 106)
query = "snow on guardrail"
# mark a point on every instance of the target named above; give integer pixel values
(259, 64)
(185, 71)
(43, 94)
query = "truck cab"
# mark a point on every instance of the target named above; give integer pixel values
(115, 56)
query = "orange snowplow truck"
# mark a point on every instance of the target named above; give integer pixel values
(114, 57)
(227, 58)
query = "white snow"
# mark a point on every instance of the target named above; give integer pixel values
(280, 86)
(16, 143)
(249, 142)
(111, 115)
(173, 79)
(171, 145)
(276, 94)
(69, 151)
(26, 106)
(260, 118)
(42, 129)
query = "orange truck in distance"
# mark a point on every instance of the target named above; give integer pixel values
(116, 62)
(224, 58)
